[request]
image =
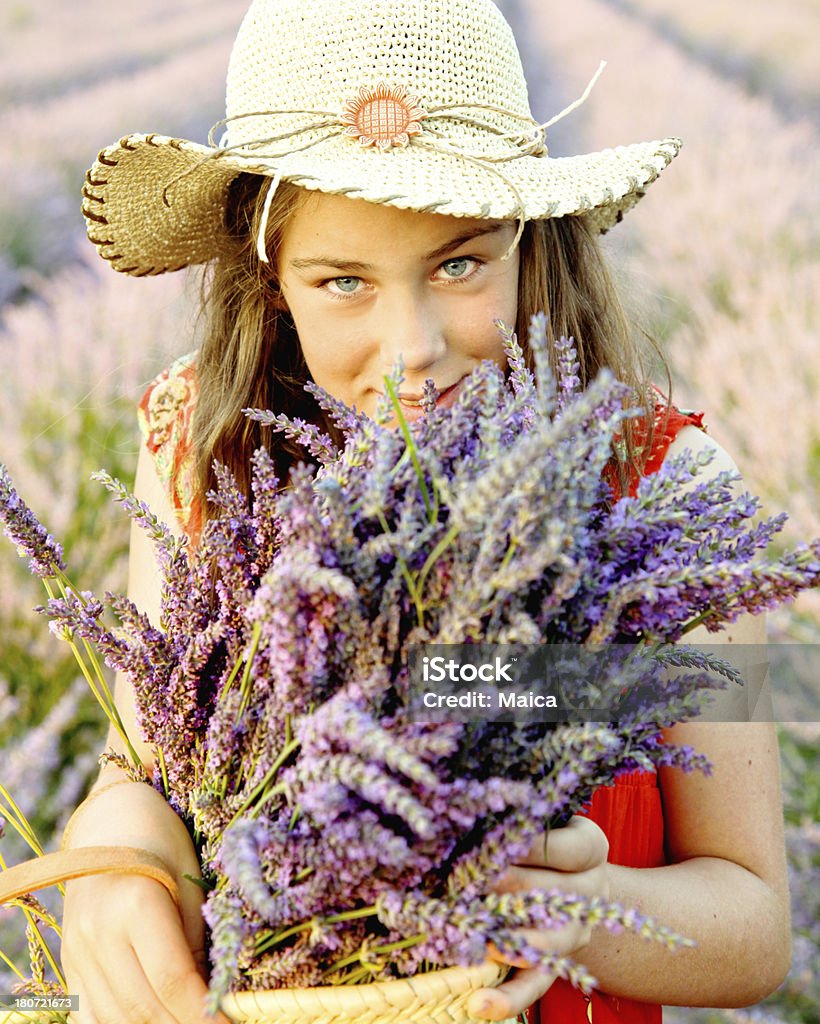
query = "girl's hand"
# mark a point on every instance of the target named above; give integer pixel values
(573, 859)
(126, 951)
(129, 957)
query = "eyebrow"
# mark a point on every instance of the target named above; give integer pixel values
(356, 267)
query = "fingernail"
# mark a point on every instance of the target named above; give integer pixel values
(480, 1006)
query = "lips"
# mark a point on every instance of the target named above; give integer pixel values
(414, 401)
(411, 403)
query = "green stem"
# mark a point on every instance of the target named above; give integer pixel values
(106, 701)
(245, 688)
(32, 917)
(356, 957)
(360, 974)
(100, 687)
(413, 940)
(508, 554)
(436, 553)
(692, 623)
(10, 965)
(104, 687)
(274, 939)
(232, 677)
(269, 776)
(351, 915)
(408, 578)
(505, 561)
(280, 788)
(19, 823)
(397, 468)
(163, 767)
(411, 445)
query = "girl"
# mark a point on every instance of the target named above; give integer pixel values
(382, 190)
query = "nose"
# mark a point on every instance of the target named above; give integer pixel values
(413, 329)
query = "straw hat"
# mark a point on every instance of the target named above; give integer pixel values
(418, 104)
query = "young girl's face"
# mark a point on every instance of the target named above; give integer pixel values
(365, 284)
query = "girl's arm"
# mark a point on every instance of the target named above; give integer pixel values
(725, 887)
(725, 884)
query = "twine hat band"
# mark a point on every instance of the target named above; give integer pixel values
(417, 104)
(530, 141)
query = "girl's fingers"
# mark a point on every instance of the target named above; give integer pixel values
(572, 859)
(145, 970)
(97, 1003)
(562, 941)
(579, 846)
(515, 879)
(512, 996)
(129, 997)
(74, 986)
(172, 970)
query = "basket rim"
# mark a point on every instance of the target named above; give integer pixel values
(397, 993)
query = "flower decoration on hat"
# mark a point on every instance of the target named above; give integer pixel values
(383, 117)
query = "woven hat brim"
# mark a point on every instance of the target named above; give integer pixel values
(155, 204)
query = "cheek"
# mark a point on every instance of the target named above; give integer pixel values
(332, 352)
(497, 302)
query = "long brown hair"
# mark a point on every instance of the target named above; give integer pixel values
(251, 358)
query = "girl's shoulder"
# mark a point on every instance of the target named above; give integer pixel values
(165, 414)
(678, 430)
(698, 441)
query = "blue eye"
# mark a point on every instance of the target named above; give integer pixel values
(457, 267)
(348, 285)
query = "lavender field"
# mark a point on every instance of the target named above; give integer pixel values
(720, 263)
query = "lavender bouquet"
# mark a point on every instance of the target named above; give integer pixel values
(342, 839)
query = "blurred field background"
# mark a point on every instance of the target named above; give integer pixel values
(720, 263)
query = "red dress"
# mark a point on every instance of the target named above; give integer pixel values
(631, 816)
(629, 812)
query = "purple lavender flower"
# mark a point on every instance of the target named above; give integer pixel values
(344, 840)
(27, 533)
(224, 916)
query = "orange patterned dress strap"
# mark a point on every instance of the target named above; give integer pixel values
(165, 413)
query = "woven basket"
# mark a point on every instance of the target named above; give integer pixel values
(435, 997)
